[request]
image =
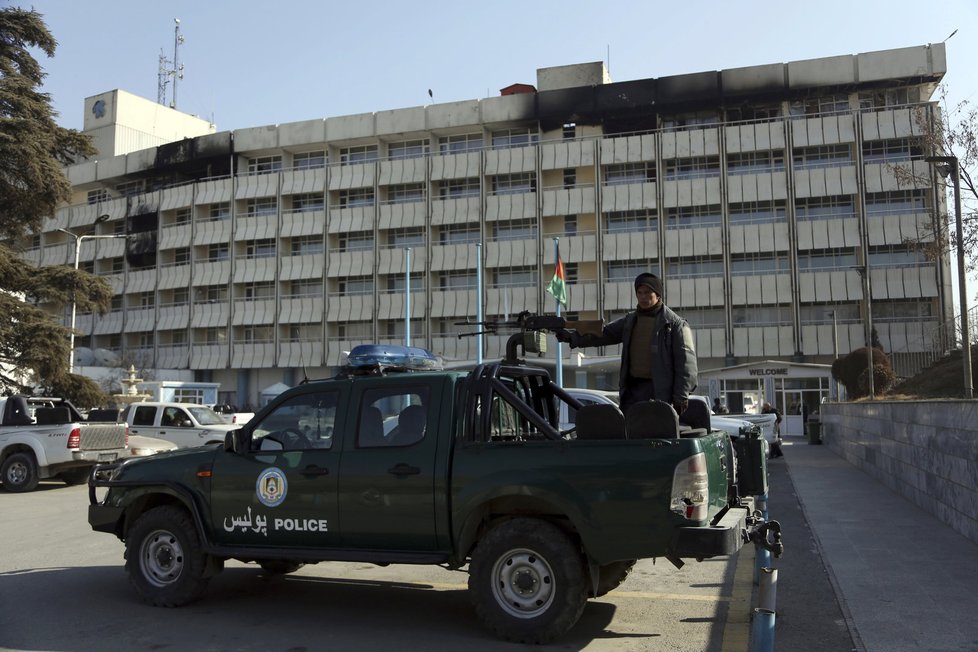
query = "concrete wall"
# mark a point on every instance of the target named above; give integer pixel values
(927, 451)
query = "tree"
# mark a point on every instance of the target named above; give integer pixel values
(948, 131)
(33, 152)
(852, 371)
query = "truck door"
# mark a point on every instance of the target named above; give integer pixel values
(282, 492)
(387, 474)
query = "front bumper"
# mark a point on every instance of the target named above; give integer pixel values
(725, 537)
(103, 518)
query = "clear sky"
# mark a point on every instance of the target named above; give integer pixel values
(250, 63)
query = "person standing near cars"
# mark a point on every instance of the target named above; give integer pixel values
(776, 446)
(658, 357)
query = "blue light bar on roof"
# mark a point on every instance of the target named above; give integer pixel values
(407, 357)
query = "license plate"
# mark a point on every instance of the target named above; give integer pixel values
(106, 457)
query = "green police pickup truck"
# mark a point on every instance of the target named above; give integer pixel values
(397, 461)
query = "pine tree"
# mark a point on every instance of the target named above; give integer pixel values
(33, 152)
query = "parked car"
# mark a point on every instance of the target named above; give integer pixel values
(184, 424)
(232, 414)
(732, 425)
(140, 446)
(568, 414)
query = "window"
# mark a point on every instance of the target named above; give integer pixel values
(144, 415)
(456, 188)
(460, 143)
(182, 216)
(211, 294)
(181, 256)
(179, 297)
(515, 230)
(515, 277)
(818, 105)
(624, 173)
(307, 287)
(751, 316)
(512, 184)
(256, 334)
(758, 263)
(760, 212)
(823, 314)
(306, 160)
(892, 151)
(303, 421)
(98, 196)
(899, 311)
(824, 208)
(405, 193)
(264, 164)
(306, 202)
(569, 130)
(311, 332)
(393, 416)
(412, 237)
(617, 271)
(359, 154)
(457, 280)
(458, 233)
(570, 178)
(695, 267)
(408, 149)
(173, 338)
(513, 138)
(571, 272)
(696, 167)
(839, 259)
(211, 335)
(219, 211)
(116, 265)
(694, 217)
(896, 257)
(362, 241)
(259, 290)
(356, 197)
(130, 188)
(704, 317)
(824, 156)
(307, 245)
(395, 283)
(356, 285)
(887, 97)
(630, 221)
(755, 162)
(260, 249)
(355, 330)
(217, 252)
(570, 225)
(754, 112)
(690, 119)
(895, 202)
(262, 206)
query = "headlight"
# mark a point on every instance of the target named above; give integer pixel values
(107, 472)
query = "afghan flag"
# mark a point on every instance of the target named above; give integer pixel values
(558, 285)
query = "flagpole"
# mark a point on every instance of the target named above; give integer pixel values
(559, 370)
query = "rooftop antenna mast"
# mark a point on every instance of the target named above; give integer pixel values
(164, 74)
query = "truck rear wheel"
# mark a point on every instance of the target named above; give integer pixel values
(612, 575)
(164, 558)
(527, 581)
(19, 473)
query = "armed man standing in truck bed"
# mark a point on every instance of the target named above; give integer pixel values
(658, 358)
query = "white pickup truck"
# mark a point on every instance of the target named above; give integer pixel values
(47, 437)
(184, 424)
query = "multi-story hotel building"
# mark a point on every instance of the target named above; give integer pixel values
(759, 195)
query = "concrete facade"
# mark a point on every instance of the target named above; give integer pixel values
(926, 451)
(758, 194)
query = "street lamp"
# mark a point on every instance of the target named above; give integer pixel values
(74, 302)
(948, 165)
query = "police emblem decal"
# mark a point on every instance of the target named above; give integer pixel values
(271, 487)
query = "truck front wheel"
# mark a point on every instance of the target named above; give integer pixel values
(527, 581)
(19, 473)
(164, 558)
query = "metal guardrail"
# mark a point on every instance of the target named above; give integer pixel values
(928, 349)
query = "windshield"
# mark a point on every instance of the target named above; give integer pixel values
(206, 416)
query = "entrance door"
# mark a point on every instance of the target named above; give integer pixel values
(282, 492)
(387, 476)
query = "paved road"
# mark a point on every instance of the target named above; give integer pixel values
(62, 587)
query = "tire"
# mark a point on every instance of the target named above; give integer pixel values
(75, 476)
(527, 581)
(19, 473)
(612, 575)
(164, 558)
(279, 566)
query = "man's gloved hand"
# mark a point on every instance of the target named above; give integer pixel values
(568, 336)
(680, 405)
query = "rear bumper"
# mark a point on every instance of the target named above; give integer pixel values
(725, 537)
(98, 456)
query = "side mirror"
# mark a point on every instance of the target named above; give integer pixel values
(236, 441)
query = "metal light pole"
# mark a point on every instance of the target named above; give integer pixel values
(952, 163)
(74, 303)
(835, 349)
(867, 289)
